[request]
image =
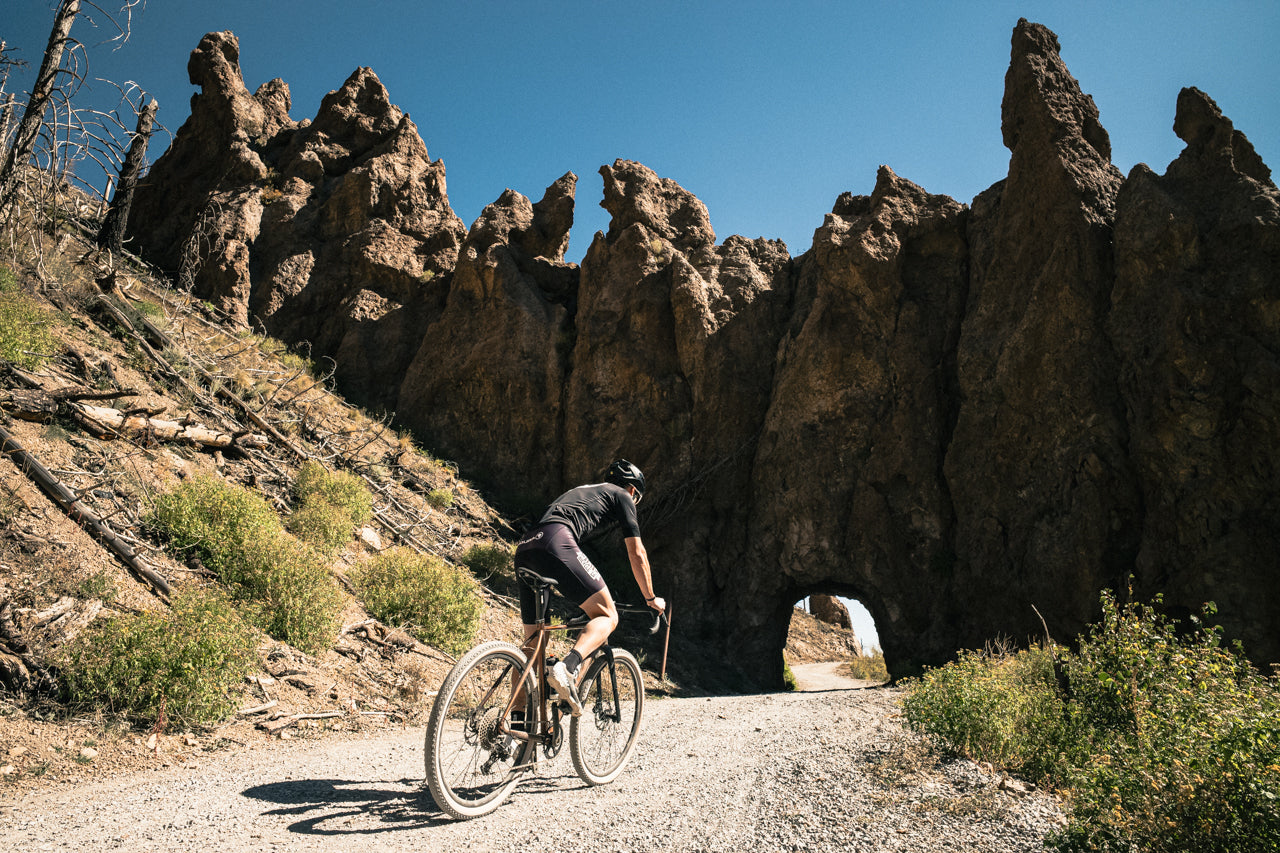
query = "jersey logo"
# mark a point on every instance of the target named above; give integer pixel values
(534, 538)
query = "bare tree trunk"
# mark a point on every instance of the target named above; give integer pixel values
(6, 116)
(41, 94)
(111, 235)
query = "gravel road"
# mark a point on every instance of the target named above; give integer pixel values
(825, 769)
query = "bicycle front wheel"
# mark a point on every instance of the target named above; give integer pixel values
(603, 737)
(468, 756)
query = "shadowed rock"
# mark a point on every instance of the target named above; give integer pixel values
(847, 478)
(1196, 320)
(1045, 496)
(486, 383)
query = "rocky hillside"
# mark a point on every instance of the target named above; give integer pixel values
(958, 414)
(148, 388)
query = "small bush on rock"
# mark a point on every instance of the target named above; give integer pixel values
(180, 666)
(437, 602)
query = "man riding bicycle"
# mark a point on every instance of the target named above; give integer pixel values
(551, 549)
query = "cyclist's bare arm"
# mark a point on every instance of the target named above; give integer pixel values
(639, 559)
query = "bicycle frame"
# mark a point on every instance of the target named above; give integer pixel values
(467, 759)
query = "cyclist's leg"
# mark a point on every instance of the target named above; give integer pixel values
(604, 619)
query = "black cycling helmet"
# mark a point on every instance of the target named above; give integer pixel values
(623, 473)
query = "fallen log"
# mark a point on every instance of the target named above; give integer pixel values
(87, 518)
(41, 406)
(102, 419)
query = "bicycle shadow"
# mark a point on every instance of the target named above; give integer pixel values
(338, 807)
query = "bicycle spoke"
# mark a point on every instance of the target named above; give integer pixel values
(603, 737)
(469, 757)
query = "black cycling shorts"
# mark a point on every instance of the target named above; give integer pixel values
(551, 551)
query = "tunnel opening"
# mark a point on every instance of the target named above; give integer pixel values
(833, 631)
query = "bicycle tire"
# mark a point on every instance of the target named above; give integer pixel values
(601, 745)
(468, 760)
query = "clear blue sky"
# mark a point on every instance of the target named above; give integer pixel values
(765, 111)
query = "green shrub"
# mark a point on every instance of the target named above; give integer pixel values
(341, 489)
(1163, 739)
(437, 602)
(26, 338)
(323, 526)
(789, 677)
(330, 506)
(241, 540)
(870, 667)
(486, 561)
(180, 666)
(996, 706)
(440, 498)
(1185, 739)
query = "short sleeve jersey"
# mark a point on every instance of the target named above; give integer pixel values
(585, 508)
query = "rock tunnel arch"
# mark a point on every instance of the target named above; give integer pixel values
(861, 613)
(828, 628)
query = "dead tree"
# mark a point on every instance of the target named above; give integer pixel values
(41, 98)
(6, 116)
(111, 235)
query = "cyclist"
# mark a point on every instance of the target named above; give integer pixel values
(551, 549)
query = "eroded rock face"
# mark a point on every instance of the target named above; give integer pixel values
(831, 610)
(848, 467)
(487, 380)
(199, 209)
(957, 415)
(336, 232)
(1196, 321)
(1045, 496)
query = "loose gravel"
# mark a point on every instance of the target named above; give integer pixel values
(817, 771)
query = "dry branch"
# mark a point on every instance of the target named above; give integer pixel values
(74, 507)
(275, 727)
(19, 670)
(164, 340)
(104, 420)
(258, 709)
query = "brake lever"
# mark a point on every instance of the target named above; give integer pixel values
(657, 621)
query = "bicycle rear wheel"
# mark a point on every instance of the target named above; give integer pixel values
(602, 739)
(469, 759)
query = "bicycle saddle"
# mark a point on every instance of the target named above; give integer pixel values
(534, 579)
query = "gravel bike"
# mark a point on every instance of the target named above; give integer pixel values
(475, 753)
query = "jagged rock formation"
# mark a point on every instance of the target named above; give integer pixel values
(829, 609)
(486, 381)
(336, 232)
(1045, 498)
(1195, 318)
(958, 415)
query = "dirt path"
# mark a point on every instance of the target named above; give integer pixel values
(817, 677)
(817, 771)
